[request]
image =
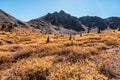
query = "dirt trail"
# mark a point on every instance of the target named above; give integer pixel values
(114, 64)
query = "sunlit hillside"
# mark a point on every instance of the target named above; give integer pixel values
(28, 55)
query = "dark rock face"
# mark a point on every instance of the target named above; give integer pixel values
(113, 22)
(6, 26)
(63, 19)
(93, 22)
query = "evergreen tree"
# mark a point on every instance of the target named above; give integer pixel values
(48, 40)
(70, 38)
(88, 30)
(99, 31)
(80, 34)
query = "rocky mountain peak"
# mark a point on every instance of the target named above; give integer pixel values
(63, 19)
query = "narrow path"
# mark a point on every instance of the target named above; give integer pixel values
(114, 64)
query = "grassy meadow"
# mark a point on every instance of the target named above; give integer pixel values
(28, 55)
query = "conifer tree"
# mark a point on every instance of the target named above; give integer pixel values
(48, 40)
(99, 31)
(70, 38)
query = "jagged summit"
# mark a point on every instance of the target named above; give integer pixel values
(61, 12)
(63, 19)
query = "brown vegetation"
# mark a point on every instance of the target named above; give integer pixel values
(24, 55)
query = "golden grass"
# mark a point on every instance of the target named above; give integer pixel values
(81, 70)
(25, 55)
(30, 68)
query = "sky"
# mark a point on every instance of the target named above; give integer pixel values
(26, 10)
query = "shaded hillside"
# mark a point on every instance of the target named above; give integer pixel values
(113, 22)
(93, 22)
(45, 27)
(6, 26)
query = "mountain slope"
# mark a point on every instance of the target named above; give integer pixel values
(58, 21)
(53, 22)
(7, 20)
(63, 19)
(93, 22)
(113, 22)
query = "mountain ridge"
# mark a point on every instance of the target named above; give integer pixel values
(82, 24)
(63, 23)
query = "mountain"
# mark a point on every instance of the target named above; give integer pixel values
(62, 22)
(7, 21)
(113, 22)
(93, 22)
(63, 19)
(46, 27)
(53, 22)
(59, 21)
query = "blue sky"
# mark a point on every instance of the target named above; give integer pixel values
(30, 9)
